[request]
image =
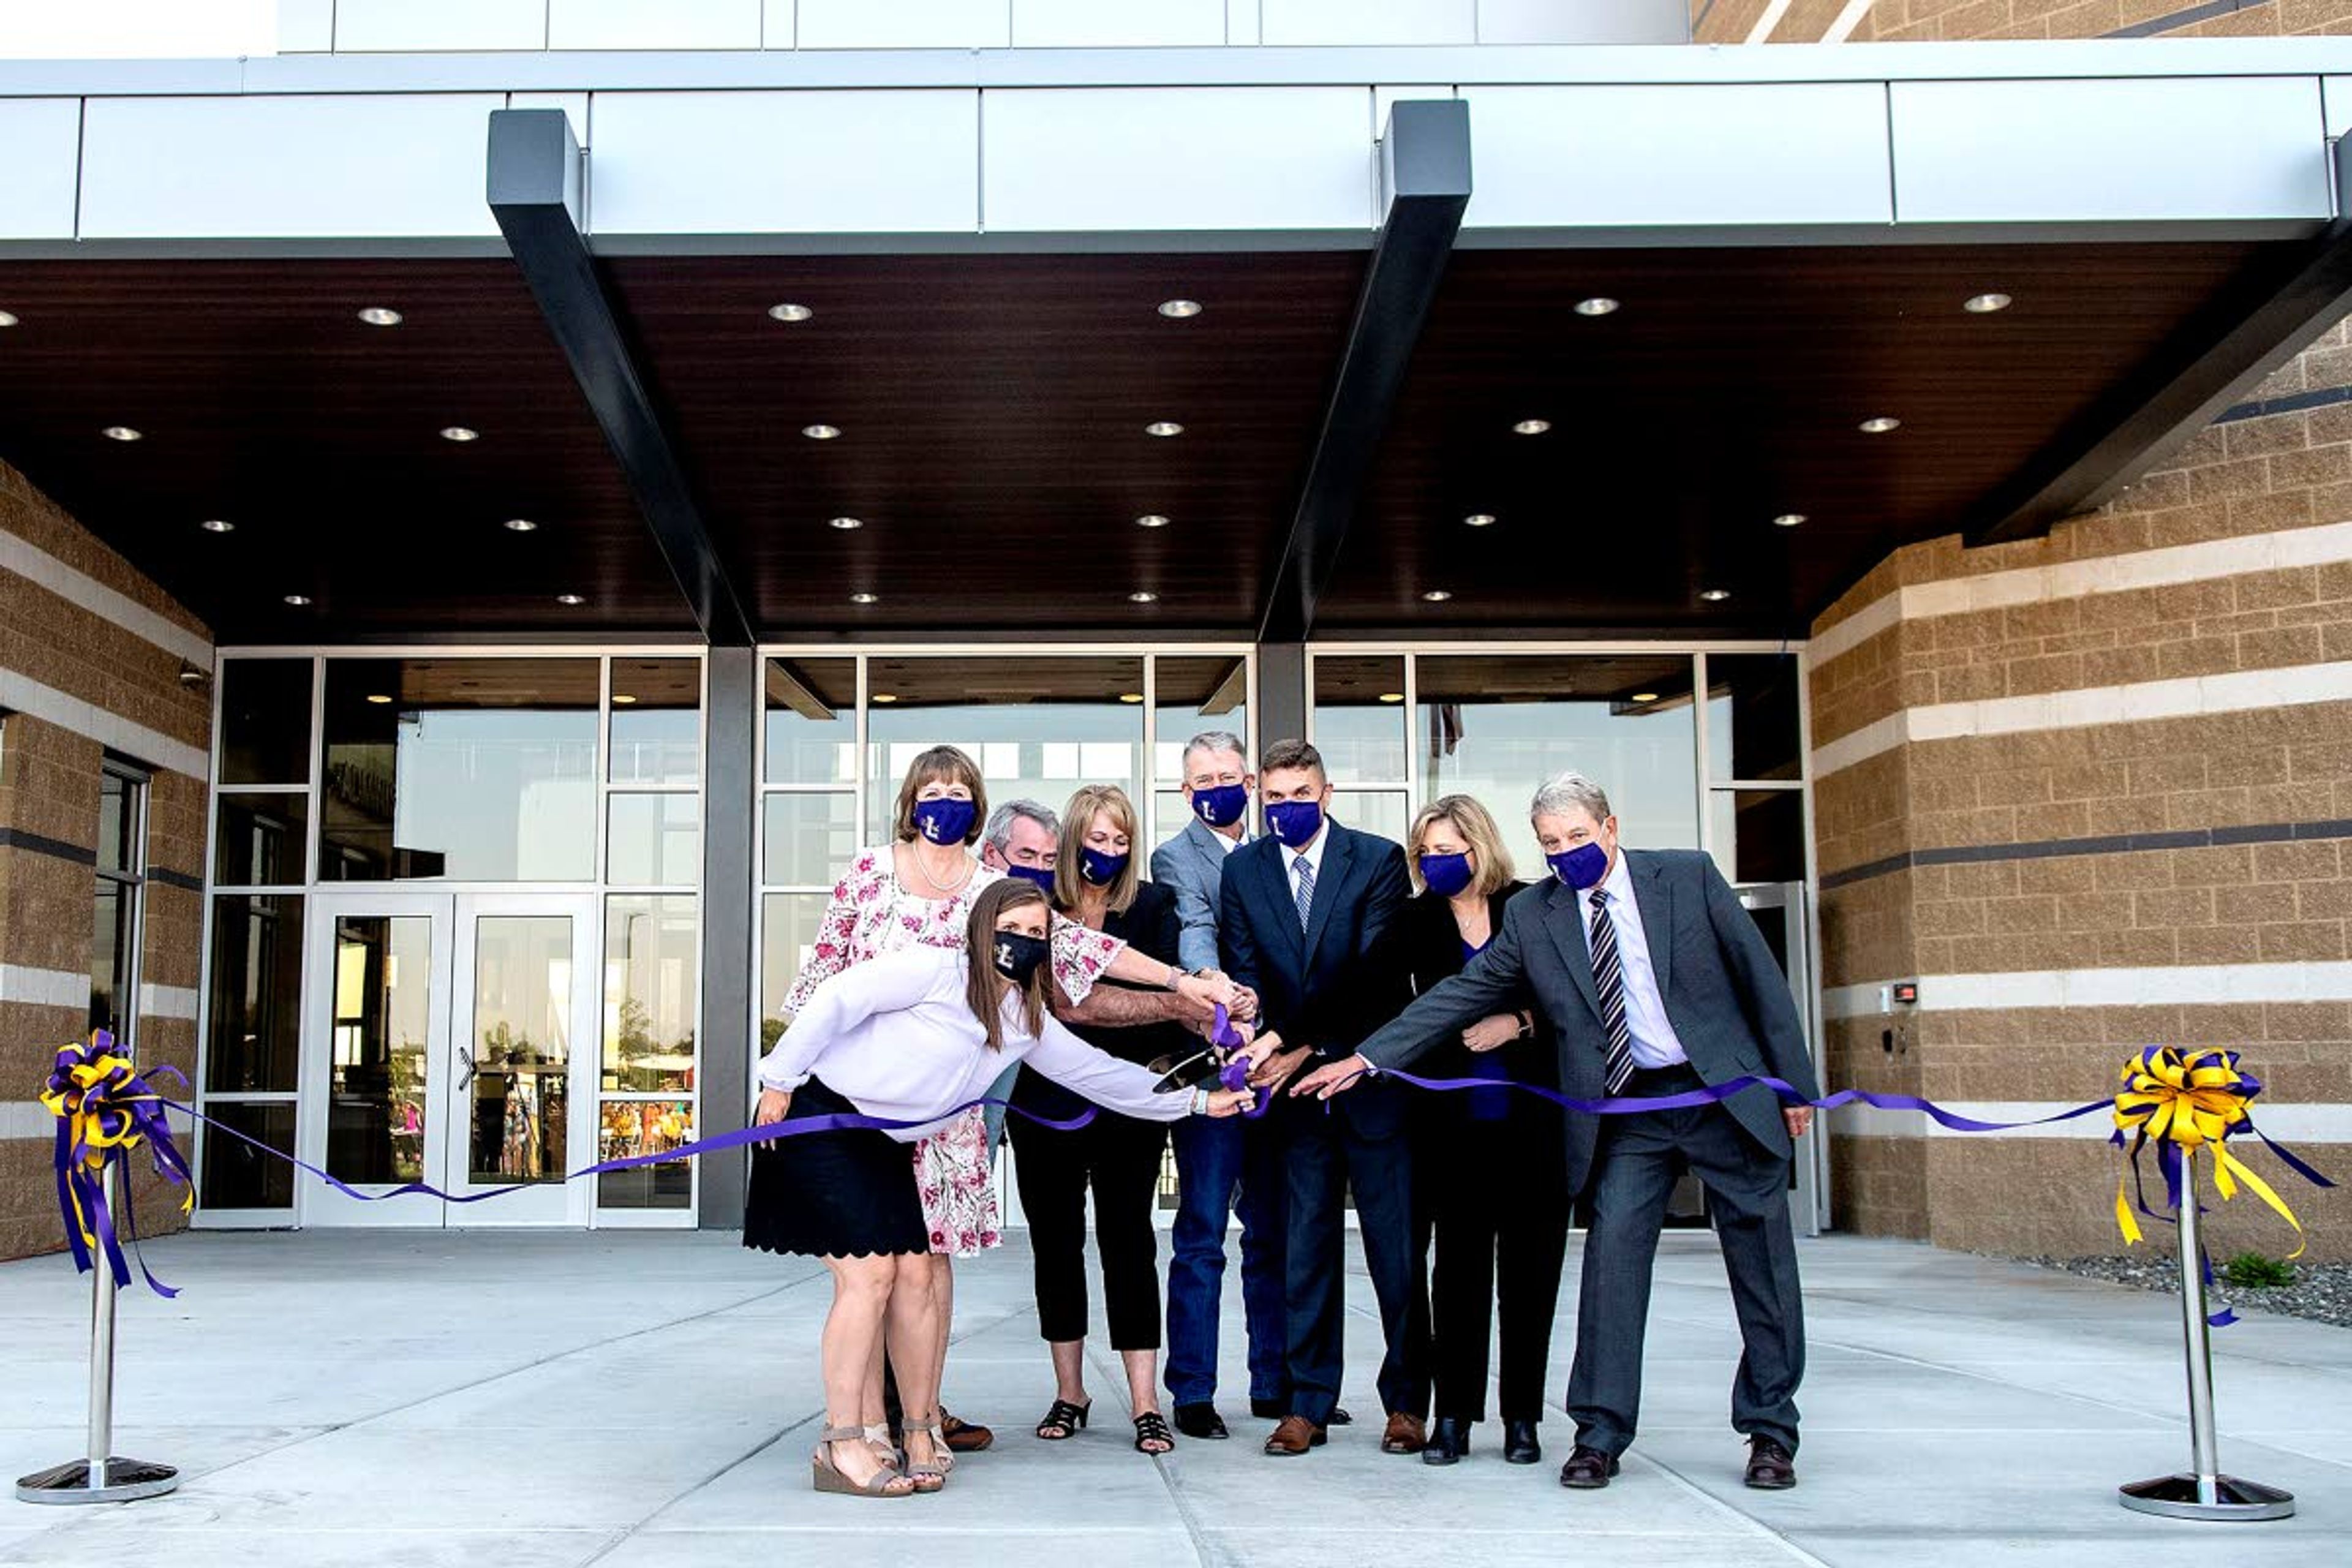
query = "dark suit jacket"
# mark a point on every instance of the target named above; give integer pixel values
(1431, 946)
(1150, 926)
(1334, 983)
(1724, 993)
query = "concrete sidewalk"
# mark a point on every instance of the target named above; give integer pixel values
(650, 1399)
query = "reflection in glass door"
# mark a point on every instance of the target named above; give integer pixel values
(375, 1031)
(526, 984)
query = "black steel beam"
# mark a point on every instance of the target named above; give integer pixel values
(1425, 178)
(534, 193)
(2210, 365)
(730, 795)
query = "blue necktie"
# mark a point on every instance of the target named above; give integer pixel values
(1305, 889)
(1609, 977)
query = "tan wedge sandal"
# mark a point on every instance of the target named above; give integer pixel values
(827, 1477)
(929, 1475)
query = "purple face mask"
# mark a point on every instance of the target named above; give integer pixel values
(944, 821)
(1581, 868)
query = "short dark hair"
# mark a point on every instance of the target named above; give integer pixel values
(1291, 754)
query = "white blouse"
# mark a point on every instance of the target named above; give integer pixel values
(895, 1038)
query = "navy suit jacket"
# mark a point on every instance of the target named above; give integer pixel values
(1334, 984)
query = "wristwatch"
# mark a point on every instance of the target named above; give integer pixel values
(1200, 1102)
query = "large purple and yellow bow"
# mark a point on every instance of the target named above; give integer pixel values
(2187, 1101)
(105, 1112)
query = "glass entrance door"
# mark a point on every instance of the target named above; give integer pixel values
(443, 1046)
(1779, 910)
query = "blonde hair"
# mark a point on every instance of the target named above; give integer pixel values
(1477, 826)
(948, 765)
(1077, 821)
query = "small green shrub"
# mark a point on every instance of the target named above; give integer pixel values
(2251, 1271)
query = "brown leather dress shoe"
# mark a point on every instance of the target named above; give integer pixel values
(1294, 1436)
(1588, 1469)
(964, 1436)
(1770, 1467)
(1406, 1434)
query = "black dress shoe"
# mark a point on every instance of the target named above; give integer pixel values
(1448, 1440)
(1770, 1467)
(1201, 1420)
(1588, 1469)
(1339, 1418)
(1519, 1444)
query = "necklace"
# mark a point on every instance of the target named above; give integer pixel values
(915, 859)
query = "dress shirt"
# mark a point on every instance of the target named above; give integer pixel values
(1654, 1038)
(1312, 855)
(895, 1037)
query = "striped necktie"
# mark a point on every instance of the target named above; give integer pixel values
(1609, 977)
(1305, 889)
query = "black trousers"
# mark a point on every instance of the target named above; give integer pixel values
(1495, 1197)
(1635, 1166)
(1118, 1158)
(1326, 1159)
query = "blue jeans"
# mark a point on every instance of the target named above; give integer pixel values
(1214, 1159)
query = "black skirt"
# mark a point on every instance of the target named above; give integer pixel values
(844, 1193)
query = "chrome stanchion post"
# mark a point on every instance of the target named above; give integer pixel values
(102, 1477)
(2203, 1492)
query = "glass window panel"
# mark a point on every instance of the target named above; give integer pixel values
(808, 839)
(1386, 812)
(520, 1044)
(651, 975)
(788, 927)
(110, 955)
(627, 1128)
(260, 841)
(1495, 726)
(253, 1040)
(481, 770)
(1171, 815)
(1752, 716)
(265, 723)
(1759, 834)
(812, 720)
(656, 840)
(1038, 727)
(236, 1174)
(117, 822)
(1197, 695)
(1359, 717)
(656, 720)
(378, 1100)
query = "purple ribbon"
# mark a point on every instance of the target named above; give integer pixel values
(1235, 1072)
(128, 1112)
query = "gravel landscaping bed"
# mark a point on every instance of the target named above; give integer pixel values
(2321, 1291)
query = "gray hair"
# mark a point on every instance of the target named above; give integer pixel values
(999, 830)
(1567, 792)
(1212, 741)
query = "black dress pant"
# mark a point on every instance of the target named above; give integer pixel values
(1328, 1160)
(1118, 1158)
(1496, 1196)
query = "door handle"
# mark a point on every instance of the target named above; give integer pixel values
(466, 1079)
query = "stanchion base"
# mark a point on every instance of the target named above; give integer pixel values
(127, 1480)
(2177, 1497)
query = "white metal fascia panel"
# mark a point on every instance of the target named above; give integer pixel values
(1361, 22)
(398, 27)
(1117, 24)
(2336, 94)
(786, 163)
(1636, 156)
(904, 24)
(1114, 159)
(299, 167)
(40, 154)
(671, 24)
(2208, 148)
(1616, 21)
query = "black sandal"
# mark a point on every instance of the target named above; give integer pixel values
(1064, 1419)
(1150, 1428)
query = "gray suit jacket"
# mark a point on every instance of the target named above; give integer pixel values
(1193, 865)
(1724, 993)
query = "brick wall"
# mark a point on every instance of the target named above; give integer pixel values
(76, 680)
(1911, 21)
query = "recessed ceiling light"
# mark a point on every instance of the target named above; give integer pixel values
(791, 313)
(298, 600)
(380, 316)
(217, 525)
(522, 525)
(864, 598)
(119, 433)
(820, 432)
(1532, 427)
(1179, 310)
(459, 433)
(570, 599)
(1163, 427)
(1645, 697)
(1984, 304)
(1131, 697)
(1789, 520)
(1480, 520)
(847, 524)
(1715, 595)
(379, 698)
(1879, 425)
(7, 318)
(622, 699)
(1142, 597)
(1391, 696)
(1598, 305)
(1438, 595)
(883, 698)
(1151, 519)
